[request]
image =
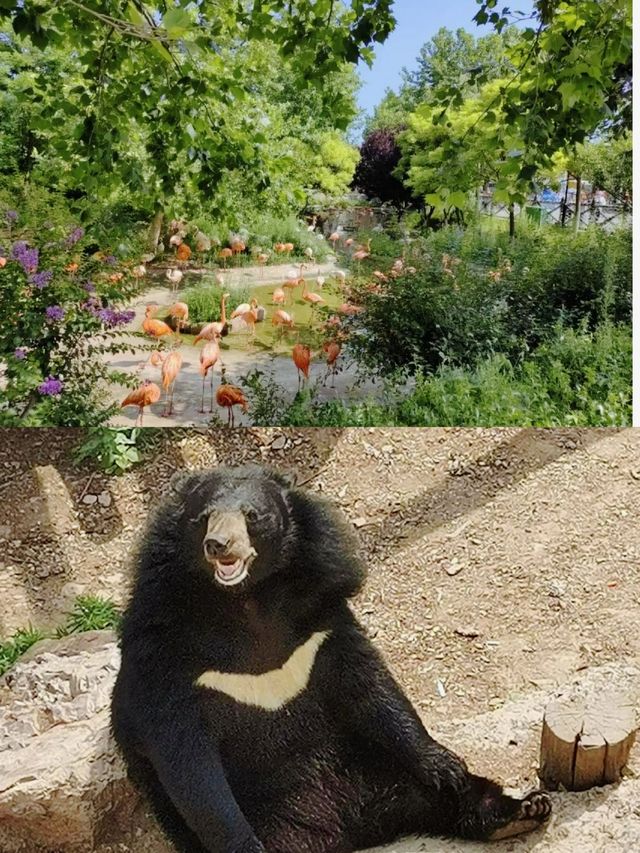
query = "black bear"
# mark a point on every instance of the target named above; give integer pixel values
(251, 708)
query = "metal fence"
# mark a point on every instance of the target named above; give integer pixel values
(608, 216)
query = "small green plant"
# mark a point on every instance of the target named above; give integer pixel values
(115, 450)
(204, 302)
(91, 613)
(17, 645)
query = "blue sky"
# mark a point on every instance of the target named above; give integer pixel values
(418, 21)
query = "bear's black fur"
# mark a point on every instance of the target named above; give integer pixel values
(344, 764)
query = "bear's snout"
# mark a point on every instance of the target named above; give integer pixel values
(215, 545)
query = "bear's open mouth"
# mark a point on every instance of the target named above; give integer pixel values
(231, 570)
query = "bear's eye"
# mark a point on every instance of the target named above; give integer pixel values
(251, 515)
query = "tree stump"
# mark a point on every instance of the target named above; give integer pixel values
(586, 740)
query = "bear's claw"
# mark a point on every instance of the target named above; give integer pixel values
(535, 809)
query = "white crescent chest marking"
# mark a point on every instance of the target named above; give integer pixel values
(269, 690)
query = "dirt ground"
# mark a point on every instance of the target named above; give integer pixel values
(502, 562)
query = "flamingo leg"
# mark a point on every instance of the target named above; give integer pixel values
(202, 399)
(333, 379)
(139, 418)
(211, 392)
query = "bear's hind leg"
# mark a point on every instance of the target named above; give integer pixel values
(490, 814)
(169, 818)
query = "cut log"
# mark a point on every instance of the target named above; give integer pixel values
(586, 740)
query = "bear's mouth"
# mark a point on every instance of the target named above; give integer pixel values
(231, 570)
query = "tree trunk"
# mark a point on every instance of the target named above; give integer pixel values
(564, 201)
(576, 223)
(586, 740)
(512, 221)
(155, 229)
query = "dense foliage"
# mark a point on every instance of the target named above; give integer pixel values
(475, 292)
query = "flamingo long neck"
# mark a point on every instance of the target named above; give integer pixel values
(304, 288)
(223, 311)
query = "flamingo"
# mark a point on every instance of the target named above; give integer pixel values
(278, 296)
(183, 252)
(209, 355)
(341, 276)
(139, 272)
(320, 281)
(175, 240)
(301, 355)
(332, 349)
(175, 277)
(220, 279)
(152, 327)
(250, 317)
(349, 309)
(294, 278)
(243, 308)
(287, 248)
(169, 371)
(362, 253)
(144, 395)
(309, 253)
(228, 396)
(180, 313)
(312, 227)
(348, 242)
(314, 299)
(203, 243)
(217, 329)
(262, 260)
(282, 319)
(334, 238)
(224, 255)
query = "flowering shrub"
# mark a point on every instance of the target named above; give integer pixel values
(60, 318)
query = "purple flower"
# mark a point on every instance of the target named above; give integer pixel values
(72, 239)
(11, 216)
(51, 387)
(111, 260)
(20, 353)
(41, 279)
(26, 257)
(89, 286)
(55, 312)
(111, 318)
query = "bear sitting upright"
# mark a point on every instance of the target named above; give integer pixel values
(250, 706)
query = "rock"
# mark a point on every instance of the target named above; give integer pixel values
(104, 499)
(278, 443)
(89, 499)
(60, 778)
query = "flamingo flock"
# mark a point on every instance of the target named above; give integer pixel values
(228, 396)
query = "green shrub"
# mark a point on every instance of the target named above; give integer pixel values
(204, 301)
(544, 276)
(576, 378)
(91, 613)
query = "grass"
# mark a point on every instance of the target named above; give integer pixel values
(17, 645)
(89, 613)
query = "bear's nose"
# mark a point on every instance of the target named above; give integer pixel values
(215, 544)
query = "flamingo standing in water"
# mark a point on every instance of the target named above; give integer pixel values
(314, 299)
(217, 329)
(228, 396)
(209, 355)
(144, 395)
(169, 371)
(152, 327)
(278, 296)
(301, 355)
(282, 319)
(332, 349)
(249, 315)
